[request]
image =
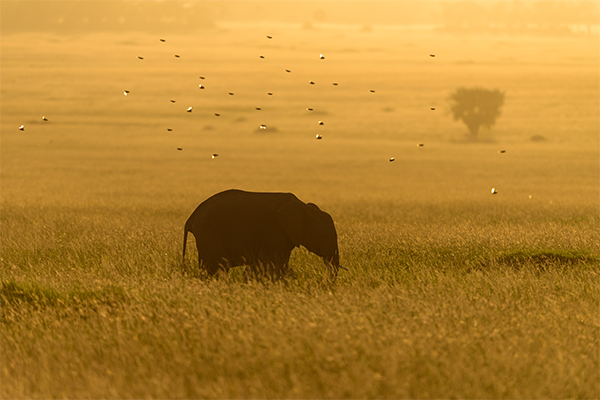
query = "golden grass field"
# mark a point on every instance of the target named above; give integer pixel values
(451, 292)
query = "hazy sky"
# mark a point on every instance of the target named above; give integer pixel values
(184, 16)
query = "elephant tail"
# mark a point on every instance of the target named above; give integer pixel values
(185, 233)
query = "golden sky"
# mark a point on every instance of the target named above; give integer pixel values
(183, 16)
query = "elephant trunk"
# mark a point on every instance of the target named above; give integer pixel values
(333, 264)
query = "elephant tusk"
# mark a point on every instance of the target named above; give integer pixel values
(333, 269)
(329, 268)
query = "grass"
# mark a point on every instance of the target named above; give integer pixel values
(426, 310)
(451, 292)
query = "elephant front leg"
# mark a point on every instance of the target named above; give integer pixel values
(271, 262)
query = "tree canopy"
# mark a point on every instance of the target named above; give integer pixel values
(476, 107)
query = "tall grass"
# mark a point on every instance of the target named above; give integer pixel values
(430, 310)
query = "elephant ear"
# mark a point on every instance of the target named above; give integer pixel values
(292, 218)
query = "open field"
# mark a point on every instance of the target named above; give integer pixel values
(451, 292)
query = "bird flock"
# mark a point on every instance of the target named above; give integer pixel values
(201, 86)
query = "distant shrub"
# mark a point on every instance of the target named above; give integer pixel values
(537, 138)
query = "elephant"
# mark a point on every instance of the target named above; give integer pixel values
(260, 230)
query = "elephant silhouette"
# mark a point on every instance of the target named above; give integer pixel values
(260, 230)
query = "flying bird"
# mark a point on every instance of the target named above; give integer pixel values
(44, 118)
(319, 137)
(126, 92)
(215, 155)
(22, 128)
(189, 109)
(321, 56)
(494, 191)
(200, 86)
(321, 123)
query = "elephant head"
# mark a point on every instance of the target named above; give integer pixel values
(307, 225)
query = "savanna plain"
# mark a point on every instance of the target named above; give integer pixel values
(451, 292)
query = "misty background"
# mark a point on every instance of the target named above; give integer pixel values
(80, 17)
(72, 62)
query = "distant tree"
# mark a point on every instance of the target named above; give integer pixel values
(476, 107)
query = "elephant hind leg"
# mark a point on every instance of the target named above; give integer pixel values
(210, 255)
